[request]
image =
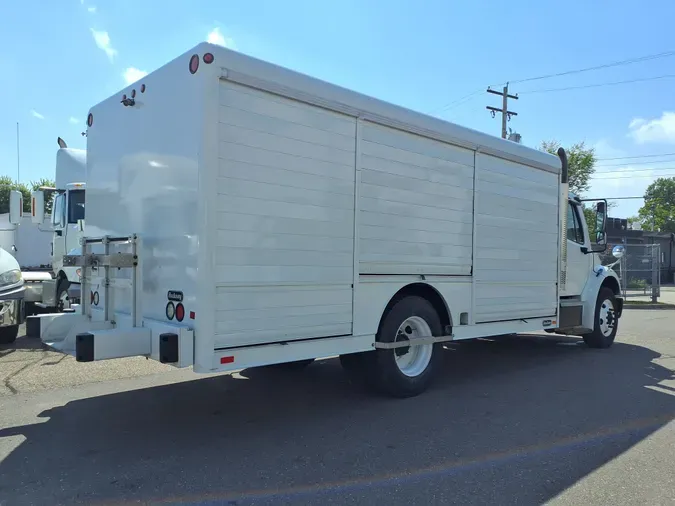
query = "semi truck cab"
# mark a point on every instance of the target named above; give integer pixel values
(68, 213)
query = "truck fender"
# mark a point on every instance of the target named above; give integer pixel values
(603, 276)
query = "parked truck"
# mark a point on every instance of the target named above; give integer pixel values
(31, 247)
(61, 289)
(12, 289)
(240, 214)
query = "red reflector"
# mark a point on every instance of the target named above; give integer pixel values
(180, 312)
(226, 360)
(194, 63)
(192, 315)
(142, 88)
(208, 58)
(90, 119)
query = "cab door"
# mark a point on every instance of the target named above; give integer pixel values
(579, 263)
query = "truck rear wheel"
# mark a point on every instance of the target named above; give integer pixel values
(605, 323)
(62, 299)
(406, 371)
(8, 334)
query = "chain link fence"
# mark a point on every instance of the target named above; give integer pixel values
(640, 272)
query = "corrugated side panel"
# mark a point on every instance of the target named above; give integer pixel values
(284, 261)
(516, 241)
(415, 204)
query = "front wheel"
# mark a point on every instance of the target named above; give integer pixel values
(62, 299)
(409, 370)
(8, 334)
(606, 323)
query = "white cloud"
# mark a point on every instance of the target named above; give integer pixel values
(215, 36)
(36, 114)
(655, 130)
(132, 74)
(92, 9)
(73, 120)
(102, 40)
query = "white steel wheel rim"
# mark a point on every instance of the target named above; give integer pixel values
(606, 317)
(413, 360)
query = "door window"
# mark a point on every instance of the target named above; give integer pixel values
(574, 231)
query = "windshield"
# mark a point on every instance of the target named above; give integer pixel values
(75, 206)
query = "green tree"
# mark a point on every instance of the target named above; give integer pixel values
(7, 184)
(580, 164)
(658, 211)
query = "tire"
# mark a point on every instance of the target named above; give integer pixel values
(605, 322)
(406, 372)
(8, 334)
(61, 289)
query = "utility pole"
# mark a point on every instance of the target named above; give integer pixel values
(506, 114)
(18, 165)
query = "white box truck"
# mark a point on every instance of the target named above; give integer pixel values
(240, 214)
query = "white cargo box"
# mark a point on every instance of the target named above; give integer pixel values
(277, 208)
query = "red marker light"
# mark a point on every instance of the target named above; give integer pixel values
(194, 63)
(208, 58)
(180, 312)
(142, 88)
(133, 93)
(192, 315)
(226, 360)
(124, 97)
(90, 119)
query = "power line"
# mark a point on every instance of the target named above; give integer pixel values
(638, 156)
(598, 85)
(638, 163)
(598, 67)
(455, 103)
(632, 170)
(632, 177)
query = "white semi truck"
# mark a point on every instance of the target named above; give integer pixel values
(62, 288)
(257, 216)
(12, 288)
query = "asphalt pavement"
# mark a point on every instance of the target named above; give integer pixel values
(518, 420)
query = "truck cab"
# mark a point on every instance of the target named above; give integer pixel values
(12, 290)
(67, 220)
(590, 301)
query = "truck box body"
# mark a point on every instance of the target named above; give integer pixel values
(278, 207)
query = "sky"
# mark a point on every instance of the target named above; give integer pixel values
(57, 59)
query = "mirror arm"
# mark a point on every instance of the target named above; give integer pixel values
(587, 251)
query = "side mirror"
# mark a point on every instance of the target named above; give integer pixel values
(618, 251)
(600, 223)
(37, 207)
(15, 207)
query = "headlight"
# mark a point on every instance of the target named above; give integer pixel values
(10, 277)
